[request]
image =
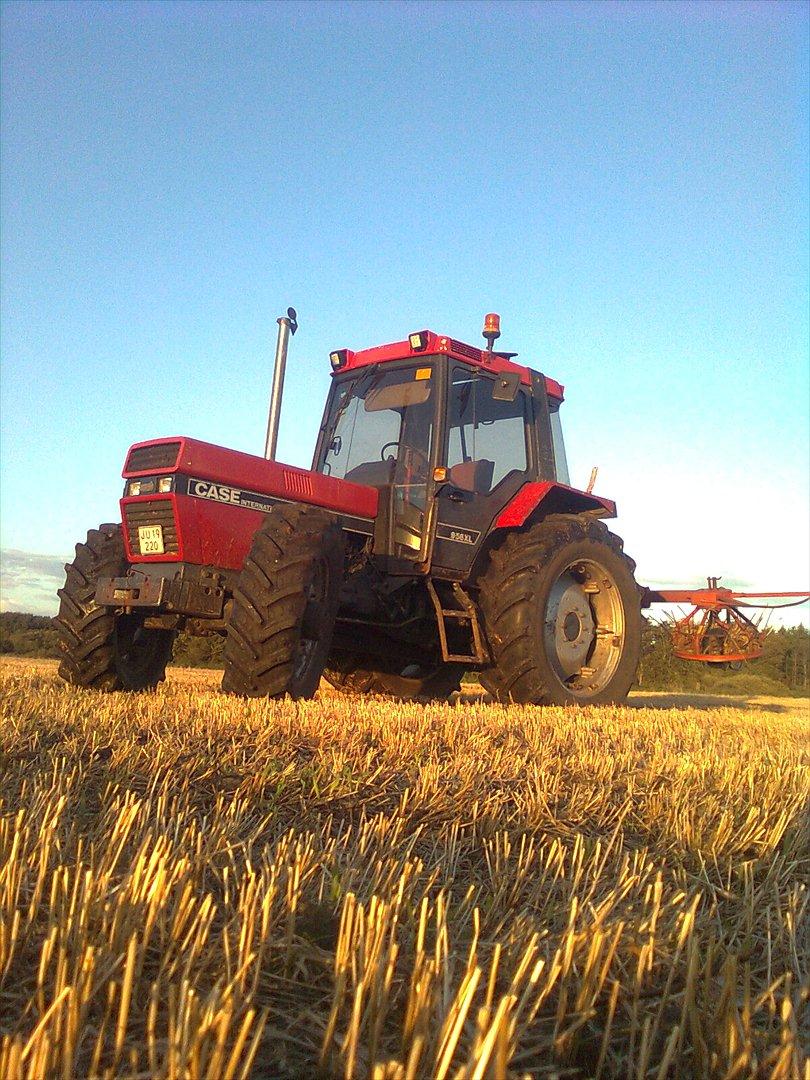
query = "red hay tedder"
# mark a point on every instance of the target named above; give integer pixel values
(715, 631)
(437, 532)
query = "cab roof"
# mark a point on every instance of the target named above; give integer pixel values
(431, 343)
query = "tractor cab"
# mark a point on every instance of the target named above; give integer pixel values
(447, 433)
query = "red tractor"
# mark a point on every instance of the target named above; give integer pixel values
(436, 533)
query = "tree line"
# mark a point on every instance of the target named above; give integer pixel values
(784, 667)
(35, 636)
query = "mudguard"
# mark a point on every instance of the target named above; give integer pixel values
(552, 498)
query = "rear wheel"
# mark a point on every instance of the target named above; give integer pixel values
(102, 650)
(356, 675)
(280, 628)
(562, 615)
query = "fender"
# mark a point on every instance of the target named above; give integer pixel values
(552, 498)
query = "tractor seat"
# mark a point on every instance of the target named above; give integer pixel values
(473, 475)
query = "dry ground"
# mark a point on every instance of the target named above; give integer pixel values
(192, 885)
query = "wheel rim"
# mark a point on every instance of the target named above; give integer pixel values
(584, 627)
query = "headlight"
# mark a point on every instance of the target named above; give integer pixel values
(150, 485)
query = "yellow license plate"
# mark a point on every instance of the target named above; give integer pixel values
(150, 538)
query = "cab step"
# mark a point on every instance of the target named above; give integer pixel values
(464, 613)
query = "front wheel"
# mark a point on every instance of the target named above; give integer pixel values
(284, 605)
(562, 615)
(102, 650)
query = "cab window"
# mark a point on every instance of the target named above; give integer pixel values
(560, 461)
(488, 435)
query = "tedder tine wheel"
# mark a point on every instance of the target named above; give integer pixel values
(562, 615)
(285, 601)
(101, 649)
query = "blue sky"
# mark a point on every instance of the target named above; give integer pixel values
(625, 183)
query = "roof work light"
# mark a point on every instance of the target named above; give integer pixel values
(419, 341)
(338, 358)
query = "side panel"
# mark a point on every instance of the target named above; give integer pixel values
(463, 523)
(216, 535)
(551, 498)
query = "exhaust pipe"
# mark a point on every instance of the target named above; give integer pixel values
(287, 325)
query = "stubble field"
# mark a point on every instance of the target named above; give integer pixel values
(193, 885)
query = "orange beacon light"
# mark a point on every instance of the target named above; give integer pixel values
(492, 328)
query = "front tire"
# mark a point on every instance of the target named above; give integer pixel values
(562, 615)
(285, 601)
(102, 650)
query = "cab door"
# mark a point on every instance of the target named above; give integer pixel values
(489, 456)
(411, 489)
(379, 431)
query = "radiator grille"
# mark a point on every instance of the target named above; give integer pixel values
(162, 456)
(465, 350)
(151, 512)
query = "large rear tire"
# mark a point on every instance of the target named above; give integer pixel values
(102, 650)
(354, 675)
(285, 600)
(562, 615)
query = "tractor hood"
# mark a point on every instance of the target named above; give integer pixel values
(211, 499)
(207, 466)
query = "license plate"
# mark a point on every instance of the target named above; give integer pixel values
(150, 537)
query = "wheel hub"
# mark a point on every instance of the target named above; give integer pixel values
(570, 624)
(584, 627)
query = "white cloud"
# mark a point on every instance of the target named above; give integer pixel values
(28, 581)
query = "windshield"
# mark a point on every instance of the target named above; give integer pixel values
(376, 420)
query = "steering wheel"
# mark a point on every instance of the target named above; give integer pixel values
(412, 450)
